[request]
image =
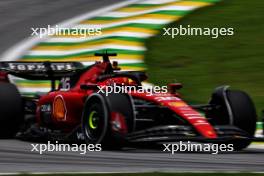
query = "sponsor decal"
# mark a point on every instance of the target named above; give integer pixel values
(65, 84)
(45, 108)
(177, 104)
(59, 108)
(40, 66)
(167, 99)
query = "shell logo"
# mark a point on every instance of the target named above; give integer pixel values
(59, 108)
(177, 104)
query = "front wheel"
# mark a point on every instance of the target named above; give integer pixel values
(108, 119)
(95, 120)
(235, 108)
(244, 115)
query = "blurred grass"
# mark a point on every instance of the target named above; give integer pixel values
(202, 63)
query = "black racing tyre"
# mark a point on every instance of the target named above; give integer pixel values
(95, 119)
(244, 114)
(122, 103)
(244, 111)
(11, 110)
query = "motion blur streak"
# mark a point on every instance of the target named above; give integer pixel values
(124, 31)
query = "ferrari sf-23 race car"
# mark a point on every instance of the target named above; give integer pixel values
(74, 109)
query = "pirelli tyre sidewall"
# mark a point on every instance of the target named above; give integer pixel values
(11, 110)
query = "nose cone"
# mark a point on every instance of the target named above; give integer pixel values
(206, 130)
(196, 119)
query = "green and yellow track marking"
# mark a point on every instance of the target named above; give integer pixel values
(124, 31)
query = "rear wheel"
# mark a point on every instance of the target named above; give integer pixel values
(238, 111)
(11, 113)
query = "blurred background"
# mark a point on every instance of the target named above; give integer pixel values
(202, 63)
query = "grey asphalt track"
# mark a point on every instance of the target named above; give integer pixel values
(16, 156)
(17, 17)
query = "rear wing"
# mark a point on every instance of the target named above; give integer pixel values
(51, 71)
(40, 70)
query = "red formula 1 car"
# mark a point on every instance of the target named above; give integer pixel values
(80, 108)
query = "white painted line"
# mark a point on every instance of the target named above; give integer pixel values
(18, 50)
(167, 8)
(259, 133)
(36, 90)
(156, 1)
(120, 61)
(124, 22)
(114, 34)
(259, 123)
(69, 52)
(256, 146)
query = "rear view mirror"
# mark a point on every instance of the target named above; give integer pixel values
(174, 86)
